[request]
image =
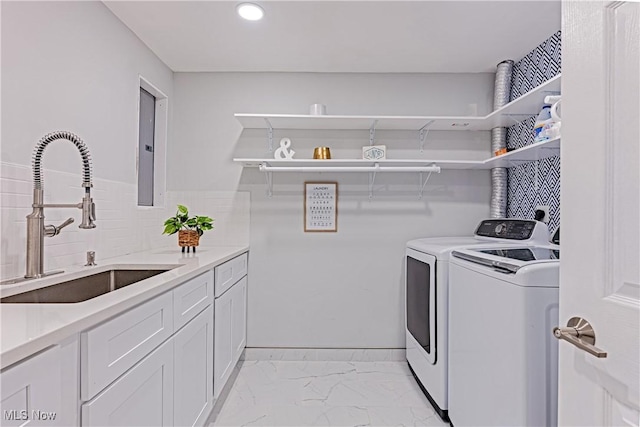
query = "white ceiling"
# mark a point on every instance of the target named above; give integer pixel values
(341, 36)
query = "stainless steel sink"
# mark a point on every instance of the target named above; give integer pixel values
(84, 288)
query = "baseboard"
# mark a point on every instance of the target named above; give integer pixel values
(327, 354)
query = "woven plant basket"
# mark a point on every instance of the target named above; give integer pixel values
(188, 238)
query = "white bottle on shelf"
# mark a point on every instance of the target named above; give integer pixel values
(552, 130)
(543, 119)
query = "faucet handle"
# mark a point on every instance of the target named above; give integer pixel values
(52, 230)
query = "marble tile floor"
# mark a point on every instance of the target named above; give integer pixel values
(316, 393)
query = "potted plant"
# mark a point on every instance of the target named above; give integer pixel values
(189, 229)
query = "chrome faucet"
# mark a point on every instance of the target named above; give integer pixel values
(36, 230)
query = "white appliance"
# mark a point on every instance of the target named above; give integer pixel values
(427, 295)
(503, 358)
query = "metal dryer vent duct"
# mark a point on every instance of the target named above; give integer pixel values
(501, 93)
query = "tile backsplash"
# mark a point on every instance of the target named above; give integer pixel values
(122, 226)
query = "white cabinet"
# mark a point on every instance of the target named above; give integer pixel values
(229, 273)
(111, 348)
(152, 365)
(191, 298)
(143, 396)
(193, 370)
(230, 332)
(31, 391)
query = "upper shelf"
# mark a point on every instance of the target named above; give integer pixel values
(517, 110)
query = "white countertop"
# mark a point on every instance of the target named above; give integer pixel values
(29, 328)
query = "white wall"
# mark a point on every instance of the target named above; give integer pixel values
(326, 290)
(74, 66)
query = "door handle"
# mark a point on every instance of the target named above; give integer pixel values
(580, 333)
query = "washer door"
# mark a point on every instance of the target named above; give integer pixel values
(421, 300)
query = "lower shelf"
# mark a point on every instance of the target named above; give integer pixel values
(536, 151)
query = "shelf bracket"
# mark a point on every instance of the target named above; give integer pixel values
(372, 180)
(269, 134)
(515, 119)
(423, 183)
(424, 131)
(269, 177)
(372, 132)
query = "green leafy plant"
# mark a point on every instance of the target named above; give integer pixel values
(182, 221)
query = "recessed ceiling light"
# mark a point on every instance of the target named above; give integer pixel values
(250, 11)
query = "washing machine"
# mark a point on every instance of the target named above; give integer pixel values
(503, 358)
(427, 296)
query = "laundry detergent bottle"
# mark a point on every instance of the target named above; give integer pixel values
(544, 118)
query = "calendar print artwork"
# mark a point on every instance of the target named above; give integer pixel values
(320, 206)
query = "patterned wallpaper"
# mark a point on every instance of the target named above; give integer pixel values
(535, 183)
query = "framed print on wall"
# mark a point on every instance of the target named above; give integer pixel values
(320, 206)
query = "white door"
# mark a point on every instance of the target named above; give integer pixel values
(599, 278)
(193, 370)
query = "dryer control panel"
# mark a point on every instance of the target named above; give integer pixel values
(513, 229)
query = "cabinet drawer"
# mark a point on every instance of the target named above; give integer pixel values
(229, 273)
(191, 298)
(111, 348)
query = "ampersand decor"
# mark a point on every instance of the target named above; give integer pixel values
(283, 152)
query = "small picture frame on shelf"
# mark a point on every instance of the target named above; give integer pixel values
(374, 152)
(320, 206)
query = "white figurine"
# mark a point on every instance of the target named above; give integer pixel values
(283, 153)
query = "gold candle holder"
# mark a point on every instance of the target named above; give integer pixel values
(321, 153)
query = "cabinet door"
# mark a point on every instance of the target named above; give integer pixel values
(143, 396)
(223, 348)
(230, 332)
(31, 391)
(239, 314)
(193, 367)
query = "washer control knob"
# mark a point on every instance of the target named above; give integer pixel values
(501, 229)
